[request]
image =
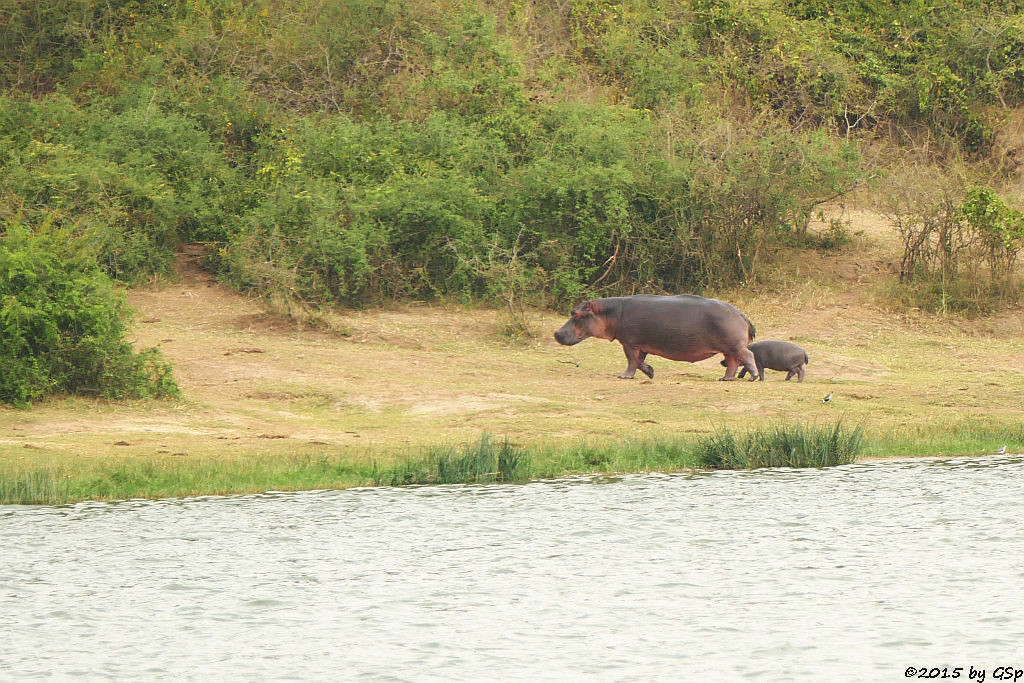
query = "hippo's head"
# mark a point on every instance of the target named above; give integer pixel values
(588, 320)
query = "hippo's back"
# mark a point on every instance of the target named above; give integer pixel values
(684, 318)
(778, 355)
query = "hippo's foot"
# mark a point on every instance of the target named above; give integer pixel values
(647, 370)
(727, 379)
(754, 378)
(627, 375)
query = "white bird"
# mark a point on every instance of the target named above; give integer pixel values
(1001, 451)
(828, 398)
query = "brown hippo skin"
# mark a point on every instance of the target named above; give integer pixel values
(778, 355)
(684, 327)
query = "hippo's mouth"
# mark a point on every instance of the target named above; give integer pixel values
(568, 340)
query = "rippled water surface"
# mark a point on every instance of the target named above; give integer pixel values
(849, 573)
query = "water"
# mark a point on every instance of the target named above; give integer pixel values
(850, 573)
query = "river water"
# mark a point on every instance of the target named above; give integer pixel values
(849, 573)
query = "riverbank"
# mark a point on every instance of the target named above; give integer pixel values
(380, 386)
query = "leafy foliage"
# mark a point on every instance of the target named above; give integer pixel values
(136, 179)
(358, 151)
(62, 325)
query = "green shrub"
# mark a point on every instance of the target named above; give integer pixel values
(303, 245)
(62, 325)
(136, 179)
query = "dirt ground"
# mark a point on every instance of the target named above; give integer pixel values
(382, 380)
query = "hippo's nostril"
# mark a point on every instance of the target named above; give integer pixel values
(564, 338)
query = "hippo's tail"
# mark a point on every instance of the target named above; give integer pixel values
(751, 332)
(807, 359)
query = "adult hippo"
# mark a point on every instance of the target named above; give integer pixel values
(684, 327)
(778, 355)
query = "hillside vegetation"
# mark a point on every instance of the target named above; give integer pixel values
(514, 152)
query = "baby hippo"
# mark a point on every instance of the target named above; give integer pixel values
(778, 355)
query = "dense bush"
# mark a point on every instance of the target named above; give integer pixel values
(358, 151)
(139, 180)
(62, 325)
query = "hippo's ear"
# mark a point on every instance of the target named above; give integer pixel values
(594, 307)
(585, 308)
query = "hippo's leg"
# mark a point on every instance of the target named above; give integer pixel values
(760, 371)
(790, 374)
(745, 358)
(800, 373)
(730, 369)
(644, 366)
(743, 371)
(635, 359)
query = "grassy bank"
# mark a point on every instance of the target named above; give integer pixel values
(268, 404)
(55, 481)
(50, 479)
(485, 461)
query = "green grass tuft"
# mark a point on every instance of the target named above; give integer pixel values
(34, 487)
(796, 445)
(484, 462)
